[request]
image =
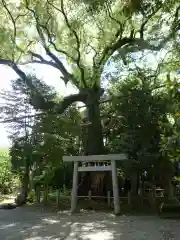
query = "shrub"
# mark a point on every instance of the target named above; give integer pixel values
(31, 196)
(170, 208)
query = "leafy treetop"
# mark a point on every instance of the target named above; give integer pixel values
(82, 34)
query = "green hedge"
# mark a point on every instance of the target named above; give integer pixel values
(170, 208)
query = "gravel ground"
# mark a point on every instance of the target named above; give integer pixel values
(30, 223)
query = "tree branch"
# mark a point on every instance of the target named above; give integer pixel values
(119, 41)
(37, 58)
(45, 62)
(13, 22)
(66, 74)
(19, 72)
(109, 50)
(133, 44)
(37, 100)
(140, 43)
(142, 28)
(120, 30)
(69, 100)
(22, 51)
(53, 44)
(78, 60)
(56, 108)
(95, 55)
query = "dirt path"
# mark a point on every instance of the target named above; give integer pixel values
(28, 223)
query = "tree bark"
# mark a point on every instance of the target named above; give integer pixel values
(168, 173)
(21, 199)
(94, 144)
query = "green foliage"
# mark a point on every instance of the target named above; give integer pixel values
(54, 137)
(41, 141)
(138, 132)
(6, 176)
(63, 192)
(85, 33)
(171, 133)
(141, 119)
(32, 196)
(170, 208)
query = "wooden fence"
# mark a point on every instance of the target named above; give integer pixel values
(152, 196)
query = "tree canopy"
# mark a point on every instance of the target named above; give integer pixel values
(79, 39)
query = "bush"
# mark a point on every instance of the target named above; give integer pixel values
(52, 197)
(170, 208)
(172, 201)
(31, 196)
(64, 193)
(6, 176)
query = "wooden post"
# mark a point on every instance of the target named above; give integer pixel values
(115, 188)
(154, 196)
(154, 191)
(38, 195)
(75, 188)
(141, 194)
(57, 197)
(129, 198)
(109, 198)
(45, 194)
(89, 194)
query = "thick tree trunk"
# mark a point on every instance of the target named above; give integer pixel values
(93, 145)
(21, 199)
(134, 184)
(168, 173)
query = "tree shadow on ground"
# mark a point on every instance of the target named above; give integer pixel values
(30, 223)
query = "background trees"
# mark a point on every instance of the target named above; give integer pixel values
(121, 53)
(139, 119)
(74, 32)
(39, 139)
(6, 183)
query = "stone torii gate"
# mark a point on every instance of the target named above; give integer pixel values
(96, 159)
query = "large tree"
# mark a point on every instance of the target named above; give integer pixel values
(84, 36)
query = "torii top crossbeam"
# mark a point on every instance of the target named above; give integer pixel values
(96, 158)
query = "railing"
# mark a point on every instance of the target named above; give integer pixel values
(44, 195)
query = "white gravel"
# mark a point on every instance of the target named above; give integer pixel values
(29, 223)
